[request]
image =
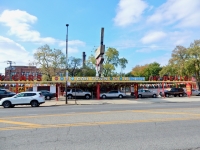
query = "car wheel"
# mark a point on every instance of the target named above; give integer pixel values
(87, 96)
(174, 95)
(34, 103)
(120, 96)
(154, 95)
(140, 96)
(166, 95)
(103, 96)
(6, 104)
(48, 97)
(180, 95)
(69, 97)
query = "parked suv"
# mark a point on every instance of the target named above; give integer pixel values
(71, 93)
(176, 92)
(24, 98)
(6, 93)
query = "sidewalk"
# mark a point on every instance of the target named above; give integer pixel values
(61, 101)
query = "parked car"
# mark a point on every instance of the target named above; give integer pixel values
(146, 93)
(113, 94)
(71, 93)
(195, 92)
(47, 94)
(6, 93)
(175, 92)
(24, 98)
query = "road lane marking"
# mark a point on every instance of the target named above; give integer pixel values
(96, 123)
(104, 112)
(168, 113)
(18, 123)
(69, 114)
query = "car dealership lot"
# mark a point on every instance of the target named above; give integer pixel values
(128, 100)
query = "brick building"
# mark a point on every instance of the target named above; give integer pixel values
(21, 70)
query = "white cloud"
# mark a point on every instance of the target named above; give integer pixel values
(12, 51)
(180, 38)
(182, 13)
(153, 37)
(19, 23)
(72, 43)
(129, 11)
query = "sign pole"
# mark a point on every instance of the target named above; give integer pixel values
(66, 64)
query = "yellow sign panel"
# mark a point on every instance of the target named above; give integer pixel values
(112, 79)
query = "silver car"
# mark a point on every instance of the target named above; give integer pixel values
(146, 93)
(113, 94)
(195, 92)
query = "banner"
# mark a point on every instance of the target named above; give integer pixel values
(111, 79)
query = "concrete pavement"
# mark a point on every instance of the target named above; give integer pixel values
(61, 101)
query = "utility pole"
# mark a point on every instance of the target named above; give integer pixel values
(66, 65)
(10, 68)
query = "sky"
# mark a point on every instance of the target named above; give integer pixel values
(143, 31)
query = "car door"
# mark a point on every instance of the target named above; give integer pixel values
(109, 94)
(17, 99)
(27, 97)
(148, 93)
(115, 93)
(79, 92)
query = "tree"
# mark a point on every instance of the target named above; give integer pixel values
(122, 63)
(74, 65)
(154, 69)
(50, 61)
(86, 72)
(192, 64)
(139, 71)
(167, 70)
(147, 70)
(111, 62)
(179, 55)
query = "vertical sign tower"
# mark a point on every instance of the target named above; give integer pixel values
(99, 55)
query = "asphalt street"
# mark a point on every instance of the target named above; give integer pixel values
(138, 126)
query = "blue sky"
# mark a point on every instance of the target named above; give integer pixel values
(143, 31)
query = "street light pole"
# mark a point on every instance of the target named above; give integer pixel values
(66, 63)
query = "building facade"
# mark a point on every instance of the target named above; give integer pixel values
(21, 70)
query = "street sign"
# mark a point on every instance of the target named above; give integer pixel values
(66, 74)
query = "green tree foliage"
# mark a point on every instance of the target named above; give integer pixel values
(154, 69)
(179, 55)
(50, 61)
(139, 71)
(184, 61)
(86, 72)
(192, 63)
(74, 65)
(111, 62)
(122, 63)
(147, 70)
(111, 59)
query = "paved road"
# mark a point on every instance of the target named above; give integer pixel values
(139, 126)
